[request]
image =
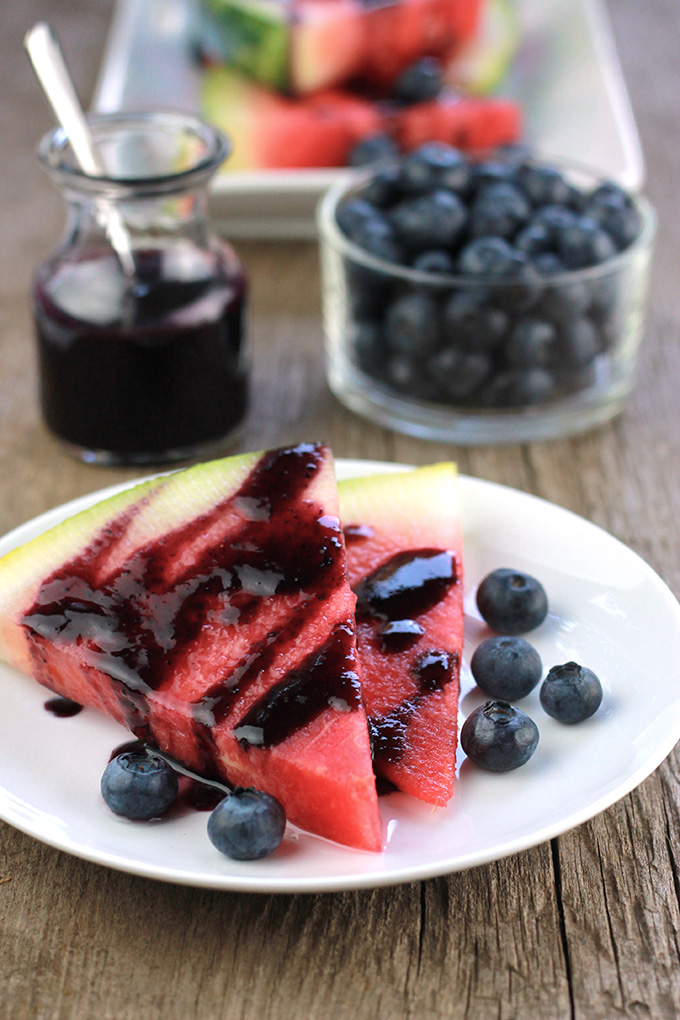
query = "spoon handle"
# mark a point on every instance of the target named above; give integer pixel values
(48, 63)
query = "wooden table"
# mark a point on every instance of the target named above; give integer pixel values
(585, 926)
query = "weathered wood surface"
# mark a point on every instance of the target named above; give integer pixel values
(584, 927)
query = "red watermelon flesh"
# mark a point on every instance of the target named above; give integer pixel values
(210, 612)
(404, 529)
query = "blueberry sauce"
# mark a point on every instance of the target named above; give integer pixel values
(144, 372)
(407, 585)
(63, 708)
(137, 620)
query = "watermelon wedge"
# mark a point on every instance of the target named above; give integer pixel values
(210, 612)
(404, 550)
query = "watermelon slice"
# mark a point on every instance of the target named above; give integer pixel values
(210, 612)
(404, 550)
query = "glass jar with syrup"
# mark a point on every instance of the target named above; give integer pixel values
(140, 310)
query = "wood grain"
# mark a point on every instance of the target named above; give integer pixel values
(585, 927)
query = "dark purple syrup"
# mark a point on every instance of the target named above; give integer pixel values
(147, 369)
(407, 585)
(63, 708)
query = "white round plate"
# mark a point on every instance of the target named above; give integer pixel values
(609, 611)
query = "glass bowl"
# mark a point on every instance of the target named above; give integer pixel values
(493, 360)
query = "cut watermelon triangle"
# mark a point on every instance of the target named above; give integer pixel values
(405, 557)
(210, 612)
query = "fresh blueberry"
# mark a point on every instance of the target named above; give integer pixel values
(458, 373)
(493, 171)
(411, 325)
(471, 322)
(579, 343)
(524, 287)
(353, 213)
(545, 262)
(584, 243)
(488, 256)
(519, 387)
(378, 148)
(545, 185)
(512, 602)
(564, 301)
(499, 737)
(535, 240)
(382, 189)
(556, 218)
(615, 212)
(436, 220)
(571, 693)
(434, 260)
(376, 236)
(498, 210)
(139, 785)
(370, 291)
(421, 82)
(434, 165)
(530, 342)
(405, 373)
(247, 825)
(506, 667)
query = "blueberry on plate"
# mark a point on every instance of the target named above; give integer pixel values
(139, 785)
(571, 693)
(247, 825)
(499, 737)
(512, 602)
(506, 667)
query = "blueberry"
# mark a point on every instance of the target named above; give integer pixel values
(352, 213)
(459, 373)
(139, 785)
(411, 325)
(383, 187)
(512, 602)
(614, 210)
(579, 343)
(555, 218)
(499, 737)
(434, 260)
(545, 262)
(376, 236)
(421, 82)
(584, 243)
(436, 220)
(378, 148)
(506, 667)
(434, 165)
(535, 239)
(498, 210)
(530, 342)
(488, 256)
(519, 387)
(571, 693)
(493, 171)
(471, 322)
(247, 825)
(564, 301)
(545, 185)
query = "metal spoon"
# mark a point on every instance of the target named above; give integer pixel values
(48, 63)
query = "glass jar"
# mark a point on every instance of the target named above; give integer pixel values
(140, 309)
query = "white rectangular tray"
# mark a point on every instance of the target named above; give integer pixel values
(566, 75)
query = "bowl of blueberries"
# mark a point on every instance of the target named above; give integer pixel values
(483, 299)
